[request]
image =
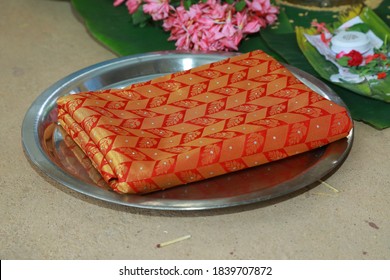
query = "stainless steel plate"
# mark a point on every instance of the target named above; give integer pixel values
(43, 142)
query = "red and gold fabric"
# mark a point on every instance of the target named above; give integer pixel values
(188, 126)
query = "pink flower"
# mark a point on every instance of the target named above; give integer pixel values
(158, 9)
(247, 26)
(118, 2)
(132, 5)
(216, 26)
(263, 10)
(340, 55)
(325, 36)
(208, 26)
(321, 27)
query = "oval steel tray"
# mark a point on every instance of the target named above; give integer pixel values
(43, 142)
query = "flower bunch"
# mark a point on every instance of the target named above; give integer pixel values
(373, 65)
(207, 25)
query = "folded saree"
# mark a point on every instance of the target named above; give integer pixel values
(192, 125)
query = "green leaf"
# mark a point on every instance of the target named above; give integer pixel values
(240, 5)
(112, 27)
(368, 110)
(256, 42)
(377, 24)
(343, 61)
(361, 27)
(187, 4)
(140, 18)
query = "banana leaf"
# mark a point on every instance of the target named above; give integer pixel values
(378, 89)
(371, 111)
(112, 27)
